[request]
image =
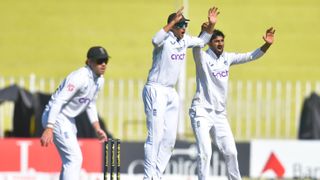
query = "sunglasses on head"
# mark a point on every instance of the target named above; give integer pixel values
(181, 25)
(101, 61)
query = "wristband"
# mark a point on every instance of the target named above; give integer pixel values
(49, 125)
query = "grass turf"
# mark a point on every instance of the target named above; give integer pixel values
(50, 38)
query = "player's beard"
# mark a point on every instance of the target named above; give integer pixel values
(99, 69)
(102, 70)
(220, 48)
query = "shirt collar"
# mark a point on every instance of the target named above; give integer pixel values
(212, 54)
(91, 74)
(174, 37)
(171, 34)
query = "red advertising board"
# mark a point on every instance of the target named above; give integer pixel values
(285, 159)
(24, 154)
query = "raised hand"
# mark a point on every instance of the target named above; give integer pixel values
(204, 26)
(212, 15)
(269, 36)
(178, 15)
(212, 20)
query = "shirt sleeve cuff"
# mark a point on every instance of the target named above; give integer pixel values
(205, 36)
(50, 125)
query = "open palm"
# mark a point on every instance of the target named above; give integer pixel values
(269, 36)
(212, 15)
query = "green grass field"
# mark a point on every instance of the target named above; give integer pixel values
(50, 38)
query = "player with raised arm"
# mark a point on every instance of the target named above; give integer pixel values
(161, 101)
(77, 93)
(208, 112)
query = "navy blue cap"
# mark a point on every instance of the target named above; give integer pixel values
(97, 52)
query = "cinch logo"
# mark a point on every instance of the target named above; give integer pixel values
(275, 165)
(84, 100)
(221, 74)
(178, 56)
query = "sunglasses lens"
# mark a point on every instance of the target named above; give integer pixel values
(181, 25)
(100, 61)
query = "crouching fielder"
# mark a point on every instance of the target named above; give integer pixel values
(208, 109)
(77, 93)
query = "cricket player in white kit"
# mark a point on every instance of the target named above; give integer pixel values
(77, 93)
(208, 112)
(160, 98)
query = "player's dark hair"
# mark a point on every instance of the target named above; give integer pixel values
(216, 33)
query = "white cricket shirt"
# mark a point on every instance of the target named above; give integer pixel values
(212, 74)
(169, 54)
(77, 93)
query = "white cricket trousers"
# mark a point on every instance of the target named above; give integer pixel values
(65, 139)
(207, 125)
(162, 110)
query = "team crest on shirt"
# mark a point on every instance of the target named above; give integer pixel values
(70, 87)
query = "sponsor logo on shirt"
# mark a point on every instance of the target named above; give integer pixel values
(84, 100)
(178, 56)
(221, 74)
(172, 42)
